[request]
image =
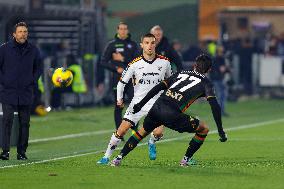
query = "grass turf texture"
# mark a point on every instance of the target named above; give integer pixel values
(252, 158)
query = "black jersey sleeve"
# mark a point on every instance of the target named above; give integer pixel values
(209, 90)
(107, 61)
(216, 111)
(155, 90)
(169, 81)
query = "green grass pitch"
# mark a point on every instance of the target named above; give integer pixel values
(65, 146)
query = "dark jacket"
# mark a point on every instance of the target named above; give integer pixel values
(164, 48)
(126, 47)
(19, 72)
(215, 73)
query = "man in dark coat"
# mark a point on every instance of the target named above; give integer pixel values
(20, 69)
(118, 53)
(164, 48)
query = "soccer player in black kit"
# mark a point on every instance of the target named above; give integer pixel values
(181, 90)
(116, 56)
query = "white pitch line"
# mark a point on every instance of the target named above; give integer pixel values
(259, 124)
(70, 136)
(109, 131)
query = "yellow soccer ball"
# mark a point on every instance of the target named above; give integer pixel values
(62, 77)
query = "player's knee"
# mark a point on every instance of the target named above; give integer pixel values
(206, 130)
(123, 128)
(203, 128)
(158, 132)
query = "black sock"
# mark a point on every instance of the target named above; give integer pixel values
(131, 144)
(194, 145)
(117, 116)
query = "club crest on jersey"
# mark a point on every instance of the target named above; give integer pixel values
(174, 95)
(129, 46)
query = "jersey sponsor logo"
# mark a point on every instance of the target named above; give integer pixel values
(149, 81)
(174, 95)
(119, 50)
(119, 45)
(152, 74)
(140, 68)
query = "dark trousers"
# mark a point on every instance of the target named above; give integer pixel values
(24, 120)
(129, 92)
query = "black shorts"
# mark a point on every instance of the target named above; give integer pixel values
(163, 113)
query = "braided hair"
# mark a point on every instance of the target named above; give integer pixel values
(203, 63)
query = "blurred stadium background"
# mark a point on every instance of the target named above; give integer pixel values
(251, 32)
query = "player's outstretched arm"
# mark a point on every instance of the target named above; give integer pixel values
(155, 90)
(216, 111)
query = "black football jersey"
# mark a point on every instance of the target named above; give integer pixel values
(187, 86)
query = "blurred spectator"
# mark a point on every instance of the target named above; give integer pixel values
(190, 54)
(116, 56)
(211, 48)
(164, 48)
(217, 74)
(177, 46)
(271, 45)
(245, 57)
(78, 84)
(280, 45)
(37, 106)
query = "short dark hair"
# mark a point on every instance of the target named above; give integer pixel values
(147, 35)
(121, 23)
(18, 25)
(203, 63)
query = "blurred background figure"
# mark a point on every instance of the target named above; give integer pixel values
(164, 48)
(177, 46)
(280, 45)
(245, 53)
(38, 107)
(217, 75)
(190, 53)
(118, 53)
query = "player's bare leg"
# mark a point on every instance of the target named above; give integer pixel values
(155, 136)
(115, 141)
(195, 143)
